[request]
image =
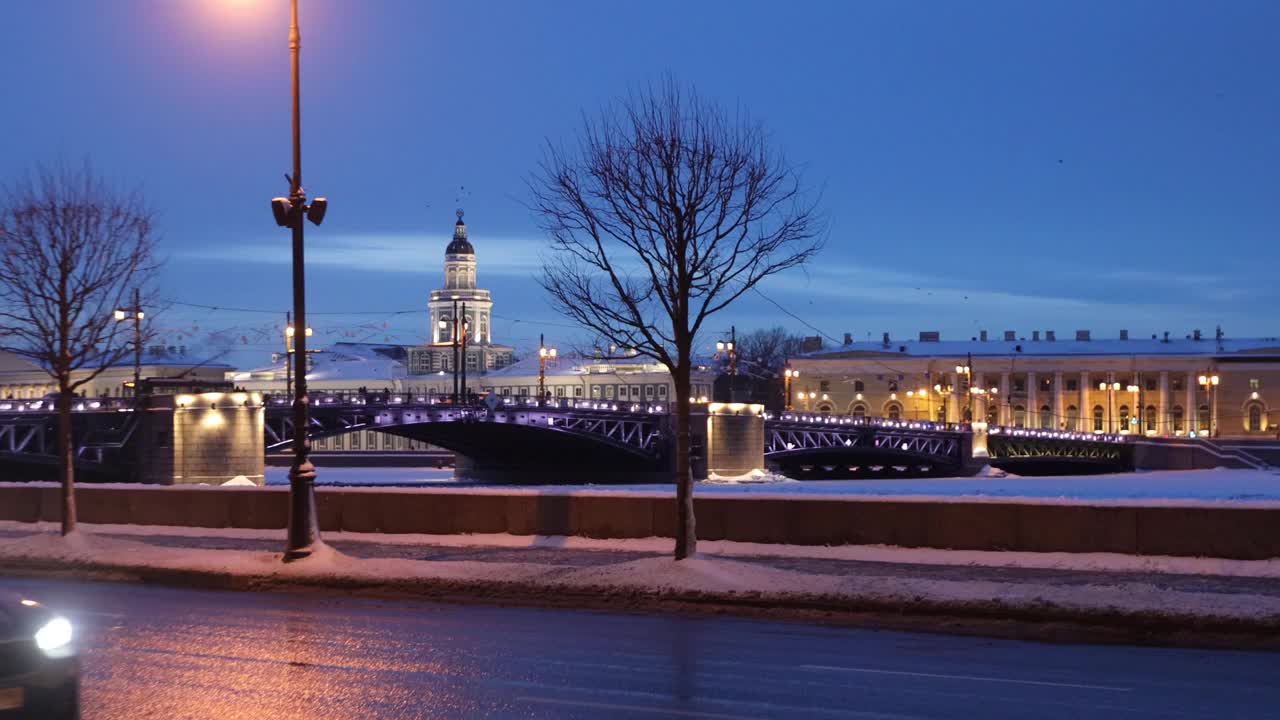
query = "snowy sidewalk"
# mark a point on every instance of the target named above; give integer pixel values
(1143, 598)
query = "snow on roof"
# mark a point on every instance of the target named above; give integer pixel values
(572, 364)
(1264, 347)
(346, 361)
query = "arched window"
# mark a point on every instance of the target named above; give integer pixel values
(1073, 417)
(825, 408)
(1097, 418)
(893, 386)
(1124, 418)
(859, 410)
(1151, 418)
(993, 414)
(893, 411)
(941, 414)
(1046, 417)
(1019, 416)
(1255, 417)
(858, 386)
(1202, 418)
(1176, 416)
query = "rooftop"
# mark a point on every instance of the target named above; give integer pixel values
(1043, 347)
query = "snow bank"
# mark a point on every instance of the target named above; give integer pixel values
(755, 476)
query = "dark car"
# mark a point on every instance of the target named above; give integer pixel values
(39, 668)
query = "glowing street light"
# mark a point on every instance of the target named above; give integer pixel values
(544, 352)
(788, 375)
(134, 313)
(1210, 383)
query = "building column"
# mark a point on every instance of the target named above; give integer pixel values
(1033, 401)
(1059, 417)
(1003, 401)
(1192, 414)
(1163, 425)
(1086, 410)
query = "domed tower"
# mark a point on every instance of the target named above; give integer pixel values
(460, 295)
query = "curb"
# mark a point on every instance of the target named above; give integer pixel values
(1040, 621)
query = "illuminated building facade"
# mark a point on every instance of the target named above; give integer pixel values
(1164, 386)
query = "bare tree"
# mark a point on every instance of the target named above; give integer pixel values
(72, 251)
(766, 350)
(668, 210)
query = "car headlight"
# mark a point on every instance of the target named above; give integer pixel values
(54, 635)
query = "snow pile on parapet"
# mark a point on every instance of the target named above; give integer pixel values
(700, 573)
(239, 480)
(755, 476)
(992, 472)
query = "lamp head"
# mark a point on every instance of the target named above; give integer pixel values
(317, 209)
(120, 314)
(282, 209)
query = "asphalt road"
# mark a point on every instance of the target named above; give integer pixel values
(165, 653)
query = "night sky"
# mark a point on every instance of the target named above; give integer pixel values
(999, 165)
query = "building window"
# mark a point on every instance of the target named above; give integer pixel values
(1124, 417)
(825, 408)
(1177, 416)
(577, 391)
(1151, 418)
(1202, 418)
(648, 392)
(893, 411)
(388, 441)
(506, 392)
(635, 392)
(1019, 385)
(355, 440)
(859, 410)
(1046, 417)
(825, 385)
(858, 386)
(1255, 384)
(1097, 418)
(1073, 385)
(662, 391)
(1073, 417)
(1019, 416)
(893, 386)
(559, 391)
(1046, 384)
(1150, 384)
(993, 414)
(524, 392)
(608, 392)
(1176, 383)
(371, 439)
(622, 392)
(1255, 416)
(595, 392)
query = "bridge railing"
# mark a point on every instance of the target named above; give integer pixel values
(44, 406)
(826, 419)
(382, 400)
(1058, 434)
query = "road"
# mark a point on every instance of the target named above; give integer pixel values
(155, 652)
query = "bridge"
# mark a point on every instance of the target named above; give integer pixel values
(569, 440)
(537, 442)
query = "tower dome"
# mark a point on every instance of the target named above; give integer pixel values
(460, 244)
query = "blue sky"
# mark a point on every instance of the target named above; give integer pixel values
(999, 165)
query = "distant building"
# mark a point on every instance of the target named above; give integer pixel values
(1151, 386)
(22, 379)
(625, 378)
(459, 298)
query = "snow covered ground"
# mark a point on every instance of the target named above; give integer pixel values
(1215, 484)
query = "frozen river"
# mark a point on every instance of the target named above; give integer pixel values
(1216, 484)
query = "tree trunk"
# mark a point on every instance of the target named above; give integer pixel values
(66, 460)
(686, 530)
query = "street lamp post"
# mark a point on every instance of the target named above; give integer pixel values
(464, 330)
(1135, 418)
(1209, 382)
(788, 375)
(731, 346)
(967, 372)
(135, 313)
(292, 212)
(288, 354)
(544, 352)
(1110, 388)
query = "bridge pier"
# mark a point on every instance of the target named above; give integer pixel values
(732, 438)
(208, 438)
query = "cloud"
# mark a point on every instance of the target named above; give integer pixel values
(380, 252)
